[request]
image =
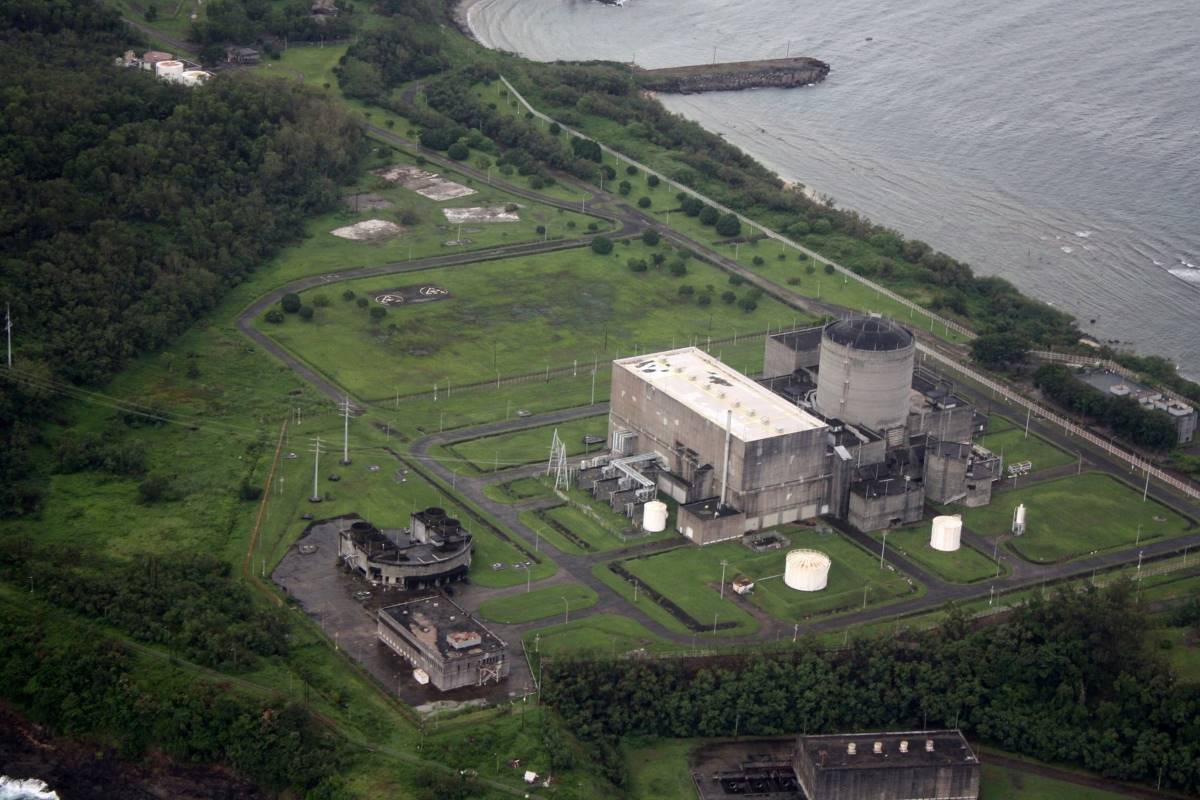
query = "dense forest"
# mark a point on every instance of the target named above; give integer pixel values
(1124, 416)
(129, 206)
(1071, 679)
(247, 21)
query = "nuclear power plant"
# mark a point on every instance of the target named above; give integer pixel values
(843, 423)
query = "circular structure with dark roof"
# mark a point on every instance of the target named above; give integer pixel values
(869, 333)
(865, 374)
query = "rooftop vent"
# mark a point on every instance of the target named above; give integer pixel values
(903, 745)
(929, 745)
(878, 748)
(851, 749)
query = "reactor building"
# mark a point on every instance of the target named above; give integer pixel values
(843, 423)
(434, 550)
(919, 765)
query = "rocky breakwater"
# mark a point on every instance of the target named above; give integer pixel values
(734, 75)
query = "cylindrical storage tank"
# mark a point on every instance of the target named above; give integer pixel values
(195, 77)
(1020, 517)
(865, 375)
(154, 56)
(169, 70)
(806, 570)
(947, 533)
(654, 516)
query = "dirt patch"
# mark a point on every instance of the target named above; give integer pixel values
(366, 202)
(426, 184)
(370, 230)
(408, 295)
(481, 214)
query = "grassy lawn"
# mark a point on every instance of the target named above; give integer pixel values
(999, 783)
(518, 490)
(603, 634)
(527, 446)
(690, 577)
(1006, 438)
(539, 603)
(658, 768)
(551, 310)
(962, 566)
(1074, 516)
(1183, 654)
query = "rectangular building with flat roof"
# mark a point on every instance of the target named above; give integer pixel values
(763, 455)
(442, 640)
(913, 765)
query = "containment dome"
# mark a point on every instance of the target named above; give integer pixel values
(865, 373)
(654, 516)
(806, 570)
(947, 533)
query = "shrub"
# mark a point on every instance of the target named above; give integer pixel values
(593, 226)
(822, 227)
(643, 202)
(555, 129)
(154, 488)
(709, 215)
(631, 170)
(274, 316)
(248, 491)
(306, 313)
(652, 181)
(678, 268)
(511, 207)
(321, 301)
(728, 297)
(704, 300)
(687, 290)
(829, 270)
(602, 245)
(409, 217)
(624, 187)
(747, 304)
(650, 238)
(637, 265)
(810, 269)
(729, 225)
(361, 302)
(736, 280)
(757, 261)
(540, 230)
(794, 281)
(378, 313)
(658, 258)
(348, 294)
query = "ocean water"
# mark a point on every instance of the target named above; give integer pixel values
(1056, 144)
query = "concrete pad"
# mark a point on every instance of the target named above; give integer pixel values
(371, 230)
(480, 214)
(426, 184)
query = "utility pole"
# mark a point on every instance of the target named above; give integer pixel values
(724, 564)
(8, 330)
(346, 431)
(883, 549)
(1028, 414)
(316, 495)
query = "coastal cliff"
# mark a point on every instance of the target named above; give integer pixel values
(734, 75)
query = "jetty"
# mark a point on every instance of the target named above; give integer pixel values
(734, 75)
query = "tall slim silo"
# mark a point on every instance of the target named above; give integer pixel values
(866, 371)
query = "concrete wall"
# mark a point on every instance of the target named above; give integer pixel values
(949, 424)
(445, 674)
(704, 530)
(779, 359)
(412, 575)
(946, 782)
(877, 513)
(945, 478)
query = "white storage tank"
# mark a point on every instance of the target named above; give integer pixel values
(169, 70)
(806, 570)
(195, 77)
(654, 516)
(866, 372)
(947, 533)
(1018, 525)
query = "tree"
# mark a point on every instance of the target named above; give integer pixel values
(678, 268)
(650, 237)
(747, 304)
(728, 297)
(274, 316)
(709, 215)
(704, 299)
(153, 488)
(348, 294)
(652, 181)
(378, 313)
(624, 187)
(637, 265)
(151, 12)
(1000, 350)
(687, 290)
(643, 202)
(729, 225)
(631, 170)
(458, 151)
(211, 55)
(829, 269)
(306, 313)
(290, 302)
(602, 245)
(362, 302)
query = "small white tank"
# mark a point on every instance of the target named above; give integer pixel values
(654, 516)
(947, 533)
(806, 570)
(169, 70)
(1018, 524)
(195, 77)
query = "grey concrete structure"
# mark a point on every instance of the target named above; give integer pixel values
(787, 352)
(442, 640)
(866, 373)
(708, 423)
(915, 765)
(1183, 415)
(435, 550)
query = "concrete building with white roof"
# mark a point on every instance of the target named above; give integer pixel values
(735, 455)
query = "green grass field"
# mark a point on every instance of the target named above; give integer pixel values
(690, 577)
(1074, 516)
(999, 783)
(514, 317)
(658, 768)
(539, 603)
(962, 566)
(1184, 652)
(602, 634)
(518, 490)
(528, 446)
(1004, 437)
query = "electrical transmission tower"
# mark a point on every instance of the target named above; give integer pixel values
(558, 463)
(316, 451)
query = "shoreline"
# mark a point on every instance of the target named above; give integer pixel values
(461, 16)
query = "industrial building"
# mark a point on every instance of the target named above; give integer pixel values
(1183, 415)
(166, 67)
(917, 765)
(843, 423)
(434, 550)
(446, 646)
